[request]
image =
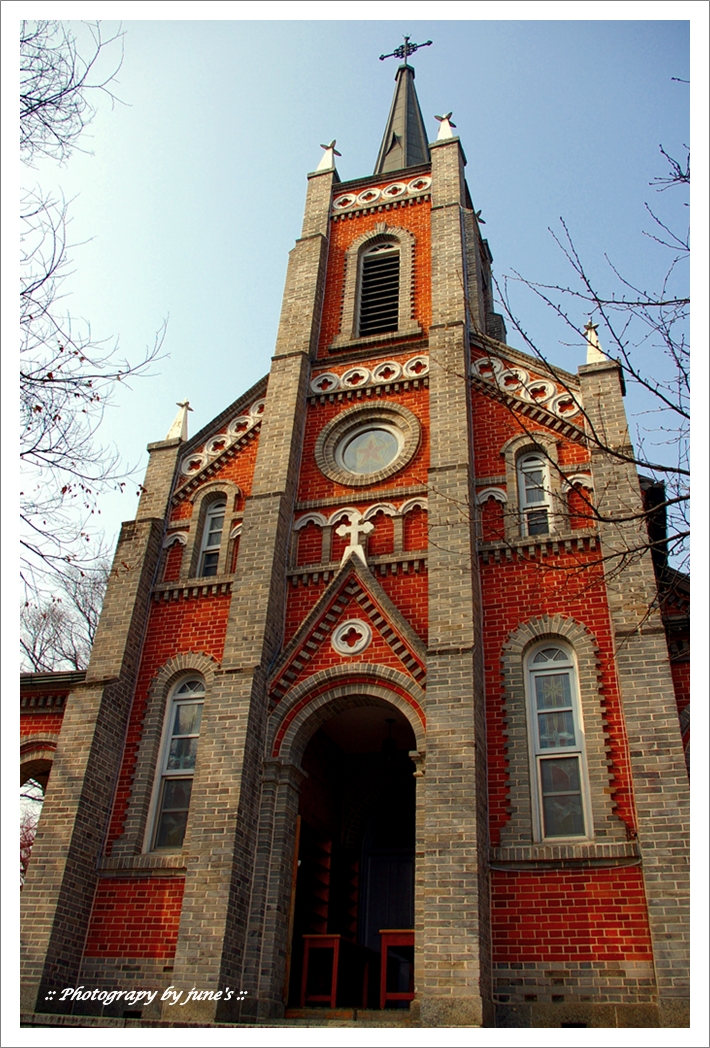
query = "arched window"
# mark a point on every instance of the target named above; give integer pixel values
(534, 494)
(379, 289)
(212, 537)
(177, 767)
(560, 791)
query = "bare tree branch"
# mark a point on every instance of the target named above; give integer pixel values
(67, 377)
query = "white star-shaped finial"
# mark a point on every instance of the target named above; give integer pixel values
(327, 161)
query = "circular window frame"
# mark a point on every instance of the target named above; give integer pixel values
(347, 423)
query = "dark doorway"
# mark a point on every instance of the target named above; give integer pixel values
(356, 852)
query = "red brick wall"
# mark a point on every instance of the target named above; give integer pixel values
(680, 672)
(381, 540)
(310, 544)
(569, 915)
(410, 595)
(173, 562)
(135, 917)
(41, 723)
(415, 529)
(514, 592)
(579, 509)
(492, 520)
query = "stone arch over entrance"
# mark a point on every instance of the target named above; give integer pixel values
(329, 692)
(299, 728)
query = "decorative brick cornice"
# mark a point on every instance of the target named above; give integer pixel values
(535, 546)
(42, 703)
(53, 683)
(193, 588)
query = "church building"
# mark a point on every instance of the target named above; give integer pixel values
(381, 720)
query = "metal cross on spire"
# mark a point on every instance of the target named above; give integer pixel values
(405, 50)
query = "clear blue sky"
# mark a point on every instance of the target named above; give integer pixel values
(193, 193)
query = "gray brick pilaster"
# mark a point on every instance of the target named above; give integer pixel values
(158, 481)
(454, 976)
(222, 833)
(660, 781)
(273, 895)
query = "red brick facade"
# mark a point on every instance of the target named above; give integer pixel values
(566, 914)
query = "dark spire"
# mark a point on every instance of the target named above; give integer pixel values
(404, 143)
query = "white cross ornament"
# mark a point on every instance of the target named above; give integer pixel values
(354, 529)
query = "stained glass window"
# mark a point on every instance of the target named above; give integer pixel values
(369, 449)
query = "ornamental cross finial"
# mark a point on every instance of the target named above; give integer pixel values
(355, 527)
(405, 50)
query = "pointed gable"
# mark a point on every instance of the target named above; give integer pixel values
(211, 450)
(354, 621)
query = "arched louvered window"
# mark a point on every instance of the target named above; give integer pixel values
(379, 289)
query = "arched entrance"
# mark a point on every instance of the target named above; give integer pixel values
(356, 834)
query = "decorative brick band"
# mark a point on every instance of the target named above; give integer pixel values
(533, 411)
(387, 564)
(388, 376)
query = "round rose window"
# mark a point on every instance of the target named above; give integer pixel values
(367, 443)
(369, 449)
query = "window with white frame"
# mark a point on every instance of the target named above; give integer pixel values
(558, 764)
(177, 769)
(534, 493)
(379, 289)
(212, 538)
